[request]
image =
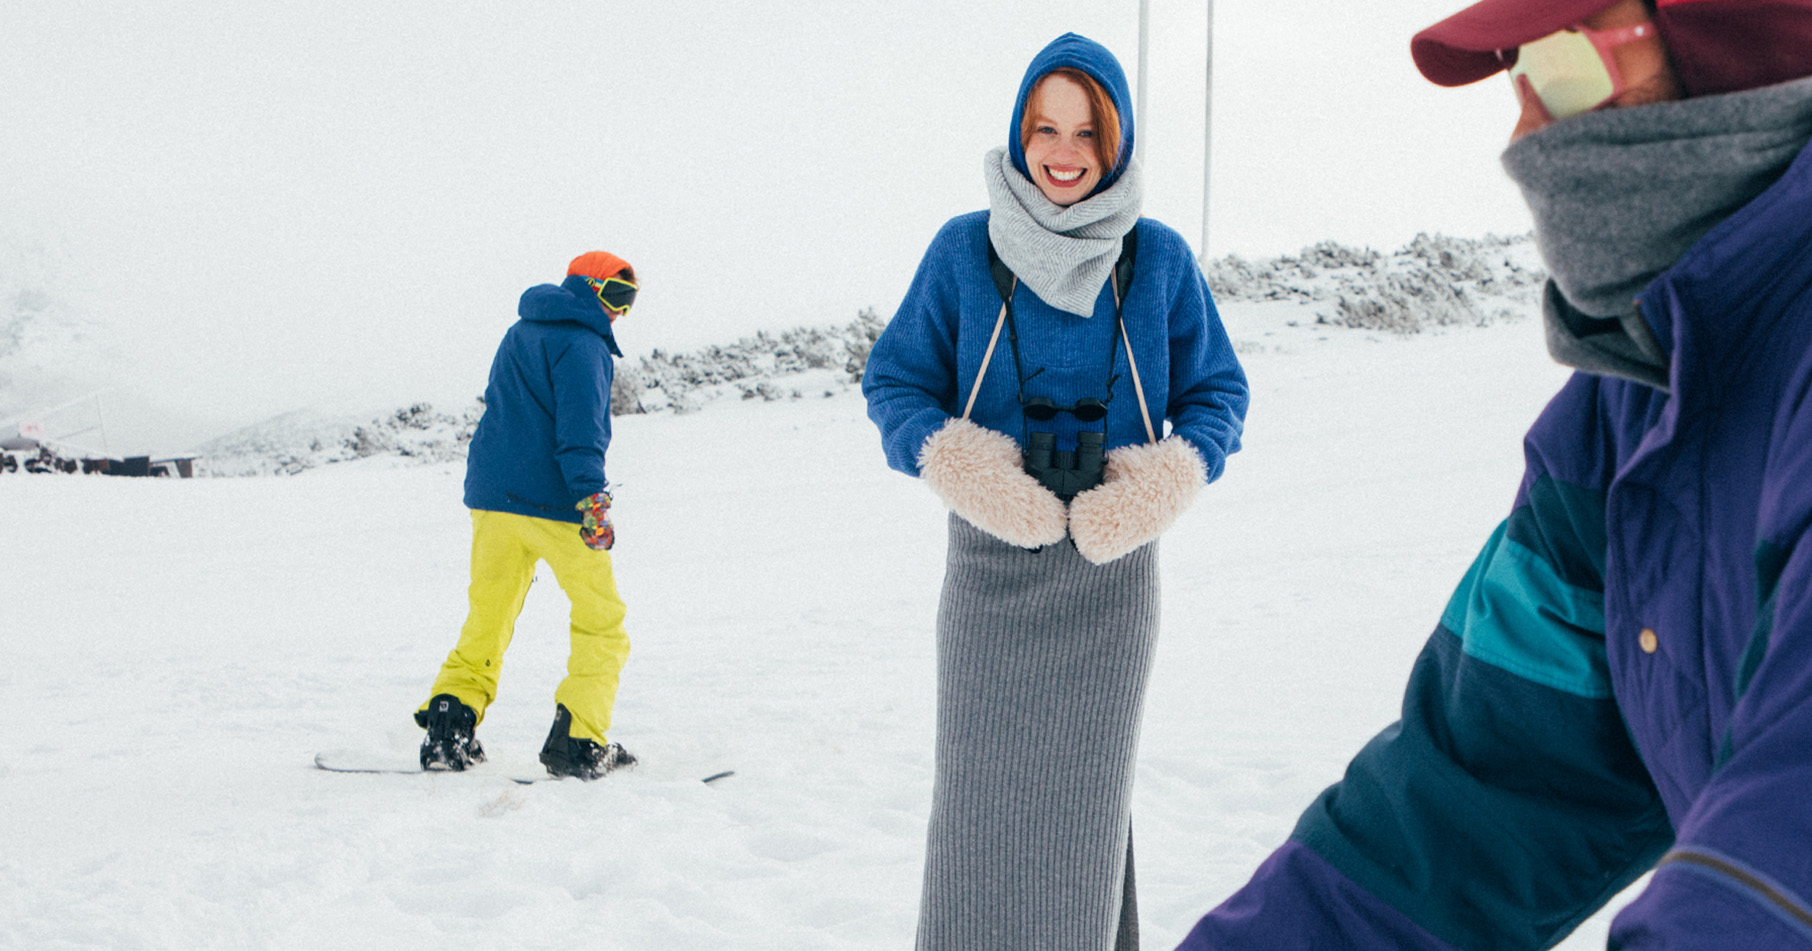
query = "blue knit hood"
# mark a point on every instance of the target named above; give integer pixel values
(1093, 60)
(570, 301)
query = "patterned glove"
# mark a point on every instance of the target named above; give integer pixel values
(1146, 488)
(597, 532)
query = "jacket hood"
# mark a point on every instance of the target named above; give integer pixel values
(570, 301)
(1093, 60)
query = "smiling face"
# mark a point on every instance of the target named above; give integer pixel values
(1063, 148)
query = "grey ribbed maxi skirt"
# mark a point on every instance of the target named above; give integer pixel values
(1042, 662)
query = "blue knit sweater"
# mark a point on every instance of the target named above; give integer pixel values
(921, 370)
(540, 446)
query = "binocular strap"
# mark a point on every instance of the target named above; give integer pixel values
(988, 357)
(1131, 363)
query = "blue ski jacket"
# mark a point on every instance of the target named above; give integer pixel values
(1623, 681)
(539, 448)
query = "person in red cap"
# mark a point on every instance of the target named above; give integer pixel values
(536, 486)
(1622, 683)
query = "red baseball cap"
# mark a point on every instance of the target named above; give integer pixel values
(1716, 46)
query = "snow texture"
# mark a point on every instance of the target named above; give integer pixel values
(178, 651)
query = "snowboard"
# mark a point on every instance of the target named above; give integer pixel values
(348, 761)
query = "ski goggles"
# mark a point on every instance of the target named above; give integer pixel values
(1572, 72)
(614, 293)
(1043, 409)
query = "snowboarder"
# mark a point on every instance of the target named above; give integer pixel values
(1060, 477)
(536, 486)
(1623, 681)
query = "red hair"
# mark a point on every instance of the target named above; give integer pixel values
(1101, 110)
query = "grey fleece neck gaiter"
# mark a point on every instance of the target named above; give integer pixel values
(1619, 195)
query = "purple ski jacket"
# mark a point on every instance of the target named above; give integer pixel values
(1623, 680)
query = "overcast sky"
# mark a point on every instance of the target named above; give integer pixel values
(337, 204)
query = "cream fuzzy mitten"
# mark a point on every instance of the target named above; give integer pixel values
(1146, 487)
(980, 475)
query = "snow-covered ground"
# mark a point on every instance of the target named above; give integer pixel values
(177, 651)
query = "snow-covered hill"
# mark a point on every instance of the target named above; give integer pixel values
(179, 649)
(53, 349)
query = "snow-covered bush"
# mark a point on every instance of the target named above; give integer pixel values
(682, 382)
(752, 368)
(418, 432)
(299, 441)
(1433, 281)
(860, 339)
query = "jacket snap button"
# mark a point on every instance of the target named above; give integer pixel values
(1650, 643)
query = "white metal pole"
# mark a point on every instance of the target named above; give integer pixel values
(1139, 114)
(1207, 125)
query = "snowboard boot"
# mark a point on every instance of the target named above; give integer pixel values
(564, 755)
(449, 743)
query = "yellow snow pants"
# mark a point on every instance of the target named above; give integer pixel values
(505, 549)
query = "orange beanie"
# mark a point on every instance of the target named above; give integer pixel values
(599, 265)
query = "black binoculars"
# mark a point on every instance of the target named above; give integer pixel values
(1043, 409)
(1067, 473)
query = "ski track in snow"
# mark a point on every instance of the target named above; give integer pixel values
(179, 650)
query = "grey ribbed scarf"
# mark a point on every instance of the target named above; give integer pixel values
(1619, 195)
(1063, 254)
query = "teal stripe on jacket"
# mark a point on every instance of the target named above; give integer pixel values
(1515, 612)
(1508, 804)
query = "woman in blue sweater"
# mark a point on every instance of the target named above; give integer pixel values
(1032, 395)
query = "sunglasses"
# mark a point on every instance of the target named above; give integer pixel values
(614, 293)
(1043, 409)
(1572, 72)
